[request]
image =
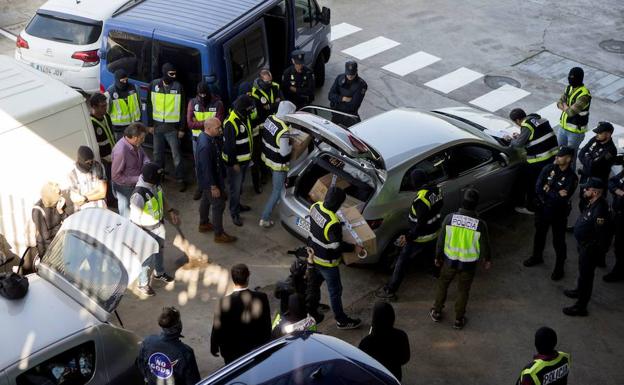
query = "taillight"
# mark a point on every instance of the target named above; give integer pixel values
(21, 43)
(89, 58)
(358, 144)
(374, 223)
(102, 89)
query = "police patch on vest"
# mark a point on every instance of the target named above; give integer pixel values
(271, 127)
(318, 218)
(115, 95)
(160, 365)
(263, 100)
(459, 220)
(196, 108)
(555, 375)
(156, 88)
(99, 130)
(242, 128)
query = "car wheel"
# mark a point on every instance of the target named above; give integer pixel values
(319, 70)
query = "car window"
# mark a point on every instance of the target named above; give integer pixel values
(302, 15)
(186, 60)
(434, 167)
(131, 53)
(75, 366)
(465, 158)
(247, 56)
(64, 30)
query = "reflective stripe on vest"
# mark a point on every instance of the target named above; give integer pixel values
(152, 213)
(559, 372)
(243, 138)
(542, 144)
(272, 132)
(107, 130)
(200, 117)
(462, 239)
(267, 98)
(577, 123)
(166, 107)
(126, 110)
(333, 219)
(422, 196)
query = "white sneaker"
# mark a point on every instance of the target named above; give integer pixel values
(266, 224)
(524, 210)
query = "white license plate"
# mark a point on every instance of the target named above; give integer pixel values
(48, 70)
(303, 223)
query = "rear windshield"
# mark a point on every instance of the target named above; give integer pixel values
(88, 265)
(63, 30)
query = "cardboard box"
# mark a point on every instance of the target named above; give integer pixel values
(322, 185)
(352, 202)
(299, 141)
(355, 230)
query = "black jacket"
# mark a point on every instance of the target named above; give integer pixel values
(597, 159)
(238, 328)
(161, 354)
(210, 165)
(355, 89)
(593, 225)
(48, 221)
(423, 219)
(617, 182)
(551, 202)
(304, 83)
(386, 344)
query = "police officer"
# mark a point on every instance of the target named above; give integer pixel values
(325, 240)
(598, 155)
(463, 240)
(549, 366)
(147, 208)
(538, 139)
(238, 144)
(124, 103)
(424, 224)
(348, 90)
(574, 105)
(592, 233)
(298, 81)
(258, 172)
(165, 101)
(164, 359)
(267, 93)
(555, 186)
(616, 187)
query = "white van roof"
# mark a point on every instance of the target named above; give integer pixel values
(44, 316)
(27, 95)
(92, 9)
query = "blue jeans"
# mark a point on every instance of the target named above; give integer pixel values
(235, 182)
(279, 177)
(123, 193)
(331, 275)
(171, 138)
(570, 139)
(154, 261)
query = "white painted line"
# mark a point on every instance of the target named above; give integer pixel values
(342, 30)
(411, 63)
(550, 113)
(8, 35)
(371, 47)
(454, 80)
(499, 98)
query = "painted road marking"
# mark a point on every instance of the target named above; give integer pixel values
(411, 63)
(499, 98)
(371, 47)
(454, 80)
(342, 30)
(551, 113)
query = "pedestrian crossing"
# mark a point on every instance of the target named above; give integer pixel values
(492, 101)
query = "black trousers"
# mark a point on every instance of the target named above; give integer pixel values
(588, 256)
(557, 220)
(259, 171)
(525, 188)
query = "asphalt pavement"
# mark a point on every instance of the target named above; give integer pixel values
(428, 55)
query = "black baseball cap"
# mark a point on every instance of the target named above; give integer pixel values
(351, 68)
(594, 183)
(565, 150)
(603, 127)
(298, 56)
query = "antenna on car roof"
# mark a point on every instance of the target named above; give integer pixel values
(128, 5)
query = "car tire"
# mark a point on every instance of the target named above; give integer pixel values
(319, 70)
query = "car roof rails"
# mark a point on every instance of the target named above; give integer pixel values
(129, 5)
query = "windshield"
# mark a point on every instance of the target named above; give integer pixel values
(88, 265)
(63, 30)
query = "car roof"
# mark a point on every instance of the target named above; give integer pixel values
(28, 325)
(27, 95)
(404, 133)
(198, 19)
(92, 9)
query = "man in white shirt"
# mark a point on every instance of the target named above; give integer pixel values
(87, 181)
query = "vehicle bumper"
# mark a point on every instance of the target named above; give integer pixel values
(86, 79)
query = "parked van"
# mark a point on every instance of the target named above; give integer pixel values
(61, 332)
(225, 42)
(42, 124)
(63, 38)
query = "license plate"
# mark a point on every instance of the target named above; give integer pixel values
(303, 224)
(48, 70)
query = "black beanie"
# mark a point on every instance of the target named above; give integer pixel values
(203, 88)
(575, 77)
(84, 154)
(334, 198)
(471, 199)
(418, 178)
(165, 70)
(151, 173)
(545, 340)
(243, 104)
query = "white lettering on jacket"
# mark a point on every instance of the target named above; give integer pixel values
(459, 220)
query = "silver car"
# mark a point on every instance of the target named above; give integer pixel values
(456, 147)
(60, 332)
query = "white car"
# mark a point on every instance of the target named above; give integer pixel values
(63, 39)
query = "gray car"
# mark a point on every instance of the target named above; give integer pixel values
(456, 147)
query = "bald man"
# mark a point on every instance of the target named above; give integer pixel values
(211, 177)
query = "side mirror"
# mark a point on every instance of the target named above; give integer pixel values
(325, 15)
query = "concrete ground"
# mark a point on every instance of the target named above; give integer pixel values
(509, 302)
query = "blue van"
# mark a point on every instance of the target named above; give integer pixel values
(225, 42)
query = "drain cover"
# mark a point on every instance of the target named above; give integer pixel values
(495, 82)
(615, 46)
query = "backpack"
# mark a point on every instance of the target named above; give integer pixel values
(12, 285)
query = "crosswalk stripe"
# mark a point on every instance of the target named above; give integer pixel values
(342, 30)
(370, 48)
(454, 80)
(499, 98)
(411, 63)
(550, 113)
